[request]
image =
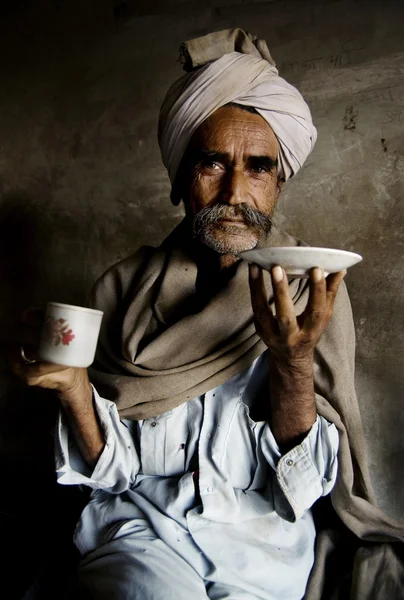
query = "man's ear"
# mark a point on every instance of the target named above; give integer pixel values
(281, 182)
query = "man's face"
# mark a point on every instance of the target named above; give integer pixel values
(233, 186)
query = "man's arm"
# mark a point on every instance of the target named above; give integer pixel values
(293, 408)
(74, 391)
(104, 454)
(78, 406)
(291, 341)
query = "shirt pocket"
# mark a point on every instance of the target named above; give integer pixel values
(241, 449)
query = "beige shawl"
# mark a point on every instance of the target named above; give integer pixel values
(163, 341)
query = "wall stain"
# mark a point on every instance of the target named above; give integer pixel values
(350, 118)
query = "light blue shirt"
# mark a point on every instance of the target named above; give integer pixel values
(252, 527)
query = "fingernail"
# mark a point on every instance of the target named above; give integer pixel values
(254, 271)
(318, 274)
(277, 274)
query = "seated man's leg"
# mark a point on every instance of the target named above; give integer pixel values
(138, 569)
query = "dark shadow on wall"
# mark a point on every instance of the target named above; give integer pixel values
(25, 236)
(37, 516)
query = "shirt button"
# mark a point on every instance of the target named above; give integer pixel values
(289, 462)
(153, 424)
(208, 435)
(209, 489)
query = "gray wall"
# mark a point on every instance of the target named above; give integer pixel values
(82, 184)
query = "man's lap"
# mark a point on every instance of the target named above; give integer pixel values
(138, 568)
(145, 569)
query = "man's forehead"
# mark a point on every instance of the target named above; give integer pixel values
(231, 126)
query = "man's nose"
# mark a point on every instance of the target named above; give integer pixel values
(234, 190)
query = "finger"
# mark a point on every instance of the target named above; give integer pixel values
(44, 368)
(262, 311)
(15, 360)
(29, 348)
(17, 365)
(38, 374)
(27, 345)
(333, 282)
(316, 310)
(285, 310)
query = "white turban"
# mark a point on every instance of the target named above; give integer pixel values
(246, 79)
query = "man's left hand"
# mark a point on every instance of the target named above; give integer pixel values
(291, 338)
(291, 341)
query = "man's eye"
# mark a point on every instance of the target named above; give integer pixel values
(259, 170)
(211, 164)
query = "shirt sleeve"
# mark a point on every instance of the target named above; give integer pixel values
(305, 473)
(118, 464)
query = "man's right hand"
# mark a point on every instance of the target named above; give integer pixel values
(71, 384)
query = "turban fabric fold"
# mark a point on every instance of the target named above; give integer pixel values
(233, 66)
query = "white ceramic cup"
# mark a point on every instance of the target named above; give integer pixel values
(70, 335)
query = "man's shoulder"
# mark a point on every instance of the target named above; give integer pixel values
(127, 268)
(131, 263)
(119, 276)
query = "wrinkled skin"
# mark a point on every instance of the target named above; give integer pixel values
(232, 161)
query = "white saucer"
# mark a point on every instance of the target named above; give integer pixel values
(298, 260)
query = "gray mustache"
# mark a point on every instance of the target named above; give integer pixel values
(211, 215)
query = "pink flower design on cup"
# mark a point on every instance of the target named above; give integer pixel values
(58, 331)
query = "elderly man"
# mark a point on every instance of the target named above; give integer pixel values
(201, 439)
